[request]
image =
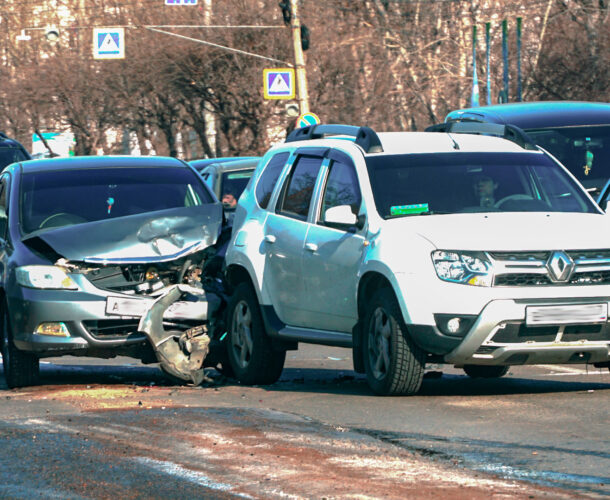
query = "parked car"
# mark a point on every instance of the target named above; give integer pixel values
(413, 247)
(199, 165)
(576, 133)
(11, 151)
(228, 179)
(89, 245)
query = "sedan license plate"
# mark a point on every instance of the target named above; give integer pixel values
(566, 315)
(125, 306)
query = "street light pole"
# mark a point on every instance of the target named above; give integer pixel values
(299, 58)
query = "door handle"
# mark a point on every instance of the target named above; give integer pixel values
(269, 238)
(312, 247)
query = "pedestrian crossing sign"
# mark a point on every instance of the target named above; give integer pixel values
(108, 43)
(279, 83)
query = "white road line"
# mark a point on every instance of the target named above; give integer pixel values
(567, 370)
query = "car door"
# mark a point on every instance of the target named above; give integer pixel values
(333, 253)
(284, 238)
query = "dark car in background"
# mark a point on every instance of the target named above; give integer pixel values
(576, 133)
(88, 245)
(228, 179)
(11, 151)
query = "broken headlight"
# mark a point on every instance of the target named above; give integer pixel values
(469, 268)
(45, 277)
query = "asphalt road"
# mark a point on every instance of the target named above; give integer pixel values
(539, 432)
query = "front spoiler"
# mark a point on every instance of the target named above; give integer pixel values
(181, 354)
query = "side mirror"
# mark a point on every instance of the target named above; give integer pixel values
(343, 216)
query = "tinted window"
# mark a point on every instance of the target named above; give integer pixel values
(473, 182)
(299, 187)
(267, 180)
(11, 155)
(585, 151)
(341, 188)
(95, 194)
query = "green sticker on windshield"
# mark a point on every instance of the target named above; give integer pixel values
(409, 209)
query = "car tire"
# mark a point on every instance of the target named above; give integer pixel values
(253, 359)
(482, 371)
(394, 365)
(21, 368)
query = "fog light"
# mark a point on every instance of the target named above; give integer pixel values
(58, 329)
(453, 325)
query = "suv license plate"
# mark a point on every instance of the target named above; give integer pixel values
(566, 315)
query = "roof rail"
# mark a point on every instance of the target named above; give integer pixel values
(366, 137)
(509, 132)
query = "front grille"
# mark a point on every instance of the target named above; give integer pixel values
(522, 279)
(512, 256)
(516, 269)
(111, 328)
(589, 254)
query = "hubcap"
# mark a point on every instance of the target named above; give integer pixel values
(241, 334)
(379, 333)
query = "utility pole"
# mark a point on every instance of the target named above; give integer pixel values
(299, 58)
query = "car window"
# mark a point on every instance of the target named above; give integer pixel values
(234, 183)
(585, 151)
(266, 183)
(84, 195)
(299, 185)
(473, 182)
(11, 155)
(341, 188)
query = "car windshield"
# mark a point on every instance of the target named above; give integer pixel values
(10, 155)
(405, 185)
(585, 151)
(67, 197)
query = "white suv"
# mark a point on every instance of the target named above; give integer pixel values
(415, 247)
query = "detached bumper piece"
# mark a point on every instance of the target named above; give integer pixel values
(180, 353)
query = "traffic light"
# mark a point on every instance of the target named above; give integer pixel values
(304, 37)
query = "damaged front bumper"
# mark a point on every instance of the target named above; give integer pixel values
(181, 354)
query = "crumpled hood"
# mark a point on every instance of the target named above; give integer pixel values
(507, 231)
(151, 237)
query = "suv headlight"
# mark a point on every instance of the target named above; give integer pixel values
(469, 268)
(45, 277)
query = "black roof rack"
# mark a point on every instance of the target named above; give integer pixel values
(366, 137)
(510, 132)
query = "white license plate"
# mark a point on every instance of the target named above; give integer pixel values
(124, 306)
(566, 315)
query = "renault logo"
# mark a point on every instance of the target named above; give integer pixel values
(560, 267)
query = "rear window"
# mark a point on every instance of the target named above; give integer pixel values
(67, 197)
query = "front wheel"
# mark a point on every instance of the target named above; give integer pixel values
(483, 371)
(21, 368)
(251, 355)
(394, 365)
